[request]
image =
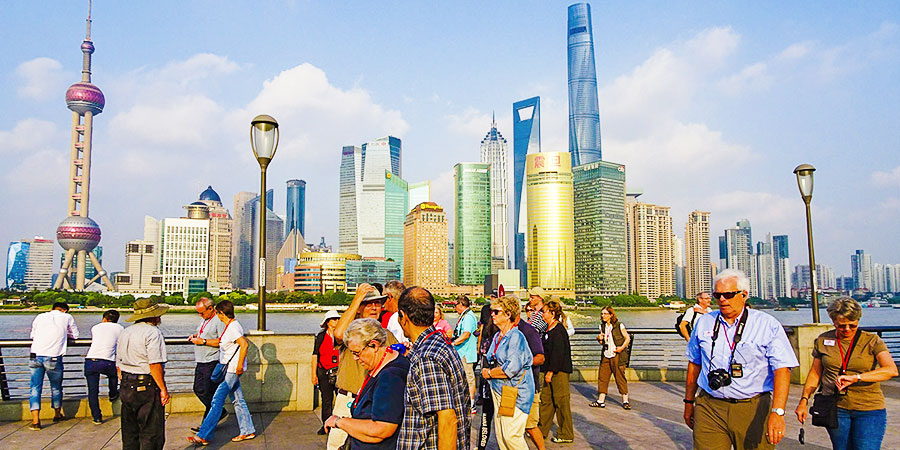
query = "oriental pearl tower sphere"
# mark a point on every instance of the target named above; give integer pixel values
(78, 233)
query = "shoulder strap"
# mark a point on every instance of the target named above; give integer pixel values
(850, 352)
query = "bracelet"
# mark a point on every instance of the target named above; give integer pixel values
(691, 402)
(804, 398)
(859, 377)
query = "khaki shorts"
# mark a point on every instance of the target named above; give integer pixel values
(470, 374)
(534, 414)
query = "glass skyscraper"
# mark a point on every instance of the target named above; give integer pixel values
(493, 152)
(396, 206)
(350, 186)
(472, 227)
(16, 264)
(782, 266)
(584, 109)
(526, 139)
(600, 249)
(371, 271)
(296, 207)
(550, 232)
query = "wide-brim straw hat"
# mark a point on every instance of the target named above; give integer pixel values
(373, 296)
(332, 314)
(146, 307)
(538, 291)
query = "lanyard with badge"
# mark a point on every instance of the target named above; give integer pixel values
(735, 369)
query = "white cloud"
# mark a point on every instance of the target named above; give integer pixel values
(887, 179)
(753, 78)
(39, 173)
(42, 79)
(795, 51)
(29, 134)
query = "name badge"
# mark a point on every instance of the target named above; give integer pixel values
(829, 342)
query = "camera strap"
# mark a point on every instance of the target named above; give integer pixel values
(738, 332)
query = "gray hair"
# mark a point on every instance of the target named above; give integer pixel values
(743, 283)
(365, 331)
(844, 307)
(393, 288)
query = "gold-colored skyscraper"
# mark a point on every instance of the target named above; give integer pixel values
(550, 242)
(697, 270)
(651, 260)
(425, 248)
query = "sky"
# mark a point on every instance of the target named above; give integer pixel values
(710, 105)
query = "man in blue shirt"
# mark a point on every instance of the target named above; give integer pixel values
(741, 360)
(465, 342)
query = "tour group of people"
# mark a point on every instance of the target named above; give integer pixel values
(393, 374)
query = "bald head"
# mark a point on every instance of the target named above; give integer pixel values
(417, 304)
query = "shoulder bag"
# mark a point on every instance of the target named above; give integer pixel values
(824, 407)
(509, 395)
(218, 373)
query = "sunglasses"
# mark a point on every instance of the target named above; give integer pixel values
(494, 312)
(356, 354)
(727, 295)
(849, 326)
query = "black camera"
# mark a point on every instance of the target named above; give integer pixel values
(718, 378)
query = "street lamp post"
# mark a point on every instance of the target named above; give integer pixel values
(264, 141)
(804, 174)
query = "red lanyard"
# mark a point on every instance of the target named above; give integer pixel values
(730, 342)
(499, 338)
(844, 359)
(203, 326)
(223, 331)
(369, 375)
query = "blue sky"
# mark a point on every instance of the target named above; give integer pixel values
(710, 105)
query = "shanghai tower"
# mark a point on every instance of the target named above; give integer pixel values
(584, 110)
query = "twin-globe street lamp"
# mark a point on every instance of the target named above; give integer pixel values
(264, 141)
(804, 174)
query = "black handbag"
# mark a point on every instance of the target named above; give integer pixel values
(218, 373)
(824, 410)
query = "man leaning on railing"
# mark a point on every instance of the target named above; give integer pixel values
(49, 334)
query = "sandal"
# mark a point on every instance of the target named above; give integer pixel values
(243, 437)
(596, 404)
(197, 441)
(626, 405)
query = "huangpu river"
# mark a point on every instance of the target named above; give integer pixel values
(18, 325)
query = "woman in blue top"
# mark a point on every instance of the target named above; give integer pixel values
(377, 411)
(510, 360)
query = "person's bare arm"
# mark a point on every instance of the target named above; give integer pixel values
(350, 314)
(462, 338)
(365, 430)
(315, 376)
(812, 382)
(690, 393)
(779, 399)
(242, 355)
(159, 376)
(627, 339)
(887, 369)
(447, 422)
(682, 328)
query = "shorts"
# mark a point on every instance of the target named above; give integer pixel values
(534, 414)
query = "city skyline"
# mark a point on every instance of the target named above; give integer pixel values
(789, 71)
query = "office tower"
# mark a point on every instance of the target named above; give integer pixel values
(450, 264)
(220, 238)
(29, 264)
(140, 275)
(418, 193)
(472, 222)
(425, 247)
(332, 269)
(599, 212)
(78, 233)
(550, 232)
(371, 270)
(878, 281)
(738, 247)
(16, 265)
(396, 206)
(526, 140)
(861, 266)
(782, 265)
(697, 273)
(825, 278)
(296, 207)
(678, 257)
(185, 251)
(765, 269)
(493, 152)
(242, 242)
(651, 263)
(89, 270)
(350, 187)
(274, 239)
(584, 109)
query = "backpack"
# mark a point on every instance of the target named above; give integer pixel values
(680, 318)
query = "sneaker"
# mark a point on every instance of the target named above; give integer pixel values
(59, 419)
(34, 426)
(557, 440)
(98, 421)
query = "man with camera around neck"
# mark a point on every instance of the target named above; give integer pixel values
(741, 360)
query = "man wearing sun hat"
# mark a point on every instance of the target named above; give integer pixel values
(141, 355)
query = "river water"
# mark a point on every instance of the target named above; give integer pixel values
(18, 325)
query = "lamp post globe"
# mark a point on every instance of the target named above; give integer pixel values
(804, 174)
(264, 141)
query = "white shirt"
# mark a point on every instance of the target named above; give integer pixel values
(104, 337)
(570, 329)
(229, 346)
(610, 343)
(395, 329)
(49, 331)
(139, 346)
(692, 314)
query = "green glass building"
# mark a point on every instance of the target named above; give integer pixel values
(472, 226)
(600, 246)
(396, 206)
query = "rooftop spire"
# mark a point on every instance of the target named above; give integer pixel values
(88, 34)
(493, 119)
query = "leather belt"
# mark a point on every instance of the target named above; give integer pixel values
(134, 376)
(346, 392)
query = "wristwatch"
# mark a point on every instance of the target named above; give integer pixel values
(779, 411)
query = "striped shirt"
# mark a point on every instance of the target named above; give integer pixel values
(436, 382)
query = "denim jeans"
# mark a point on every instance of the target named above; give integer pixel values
(858, 430)
(232, 386)
(53, 367)
(93, 368)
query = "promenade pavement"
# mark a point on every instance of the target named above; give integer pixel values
(654, 423)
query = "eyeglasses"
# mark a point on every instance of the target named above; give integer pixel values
(356, 354)
(494, 312)
(727, 295)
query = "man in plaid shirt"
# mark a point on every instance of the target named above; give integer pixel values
(437, 393)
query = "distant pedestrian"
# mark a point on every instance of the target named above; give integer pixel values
(739, 372)
(555, 396)
(440, 323)
(849, 365)
(141, 359)
(325, 364)
(392, 290)
(206, 354)
(690, 316)
(536, 296)
(233, 355)
(615, 341)
(49, 334)
(465, 342)
(437, 396)
(101, 359)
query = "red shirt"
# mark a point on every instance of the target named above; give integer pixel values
(328, 353)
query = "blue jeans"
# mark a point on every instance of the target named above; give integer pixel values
(231, 385)
(53, 367)
(858, 430)
(93, 368)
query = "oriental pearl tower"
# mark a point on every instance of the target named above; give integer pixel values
(78, 233)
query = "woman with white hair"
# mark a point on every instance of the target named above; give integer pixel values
(848, 365)
(376, 413)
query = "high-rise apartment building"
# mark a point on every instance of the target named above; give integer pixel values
(274, 240)
(333, 269)
(782, 259)
(350, 187)
(140, 275)
(220, 238)
(472, 222)
(765, 269)
(697, 272)
(185, 252)
(892, 278)
(296, 207)
(425, 247)
(526, 140)
(599, 212)
(825, 278)
(493, 152)
(242, 241)
(651, 262)
(584, 109)
(861, 267)
(678, 257)
(29, 264)
(737, 245)
(371, 270)
(550, 249)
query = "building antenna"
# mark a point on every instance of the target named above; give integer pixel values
(89, 21)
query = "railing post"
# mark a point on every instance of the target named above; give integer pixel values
(4, 384)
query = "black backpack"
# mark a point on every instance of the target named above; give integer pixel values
(680, 318)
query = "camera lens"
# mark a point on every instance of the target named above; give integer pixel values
(718, 378)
